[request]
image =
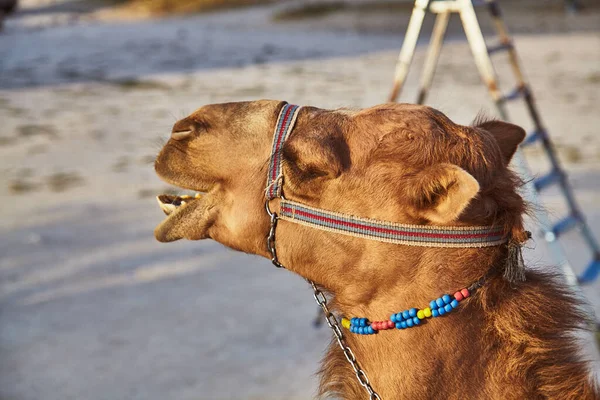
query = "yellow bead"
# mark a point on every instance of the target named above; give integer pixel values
(346, 323)
(427, 312)
(420, 314)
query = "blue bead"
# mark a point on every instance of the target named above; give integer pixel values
(363, 322)
(441, 311)
(351, 328)
(416, 321)
(393, 318)
(435, 313)
(448, 308)
(352, 321)
(399, 317)
(412, 312)
(433, 305)
(447, 299)
(403, 324)
(399, 325)
(454, 303)
(439, 302)
(371, 330)
(405, 314)
(409, 323)
(361, 330)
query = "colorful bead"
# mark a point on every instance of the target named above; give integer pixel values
(407, 318)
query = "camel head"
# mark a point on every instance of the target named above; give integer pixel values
(394, 162)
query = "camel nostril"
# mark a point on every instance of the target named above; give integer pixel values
(178, 135)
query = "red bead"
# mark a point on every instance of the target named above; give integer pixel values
(458, 296)
(375, 325)
(465, 293)
(390, 324)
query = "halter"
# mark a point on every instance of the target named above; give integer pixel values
(382, 231)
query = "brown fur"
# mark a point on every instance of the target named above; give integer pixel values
(394, 162)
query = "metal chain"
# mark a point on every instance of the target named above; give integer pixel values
(330, 318)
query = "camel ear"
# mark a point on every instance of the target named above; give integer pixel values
(311, 159)
(508, 136)
(441, 192)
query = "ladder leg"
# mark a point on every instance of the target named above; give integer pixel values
(433, 53)
(480, 53)
(408, 46)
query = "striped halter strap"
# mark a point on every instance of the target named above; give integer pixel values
(383, 231)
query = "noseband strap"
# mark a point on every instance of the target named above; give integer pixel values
(382, 231)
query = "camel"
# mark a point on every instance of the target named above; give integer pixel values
(452, 217)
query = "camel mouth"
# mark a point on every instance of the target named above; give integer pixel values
(169, 203)
(184, 214)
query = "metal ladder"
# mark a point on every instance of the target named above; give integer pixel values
(481, 52)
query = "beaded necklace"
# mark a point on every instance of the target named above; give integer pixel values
(413, 316)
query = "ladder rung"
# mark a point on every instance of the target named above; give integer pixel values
(532, 138)
(499, 47)
(514, 94)
(565, 225)
(544, 181)
(591, 272)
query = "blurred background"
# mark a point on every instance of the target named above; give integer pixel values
(91, 306)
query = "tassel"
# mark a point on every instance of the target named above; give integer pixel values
(514, 270)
